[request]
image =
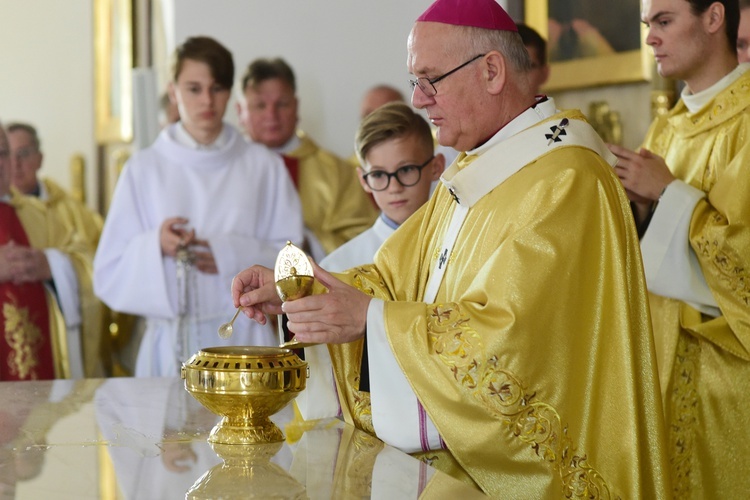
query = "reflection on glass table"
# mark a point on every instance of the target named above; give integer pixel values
(126, 438)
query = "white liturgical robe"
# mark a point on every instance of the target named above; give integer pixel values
(238, 197)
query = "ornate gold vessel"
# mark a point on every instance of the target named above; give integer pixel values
(246, 472)
(293, 273)
(245, 385)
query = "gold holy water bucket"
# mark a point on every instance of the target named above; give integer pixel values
(245, 385)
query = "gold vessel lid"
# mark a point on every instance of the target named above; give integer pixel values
(292, 261)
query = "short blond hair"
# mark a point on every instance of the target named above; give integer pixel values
(390, 121)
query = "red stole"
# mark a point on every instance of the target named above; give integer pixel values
(25, 342)
(292, 166)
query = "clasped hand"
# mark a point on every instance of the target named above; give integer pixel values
(643, 174)
(21, 264)
(174, 235)
(335, 317)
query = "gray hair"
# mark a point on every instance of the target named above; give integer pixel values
(509, 43)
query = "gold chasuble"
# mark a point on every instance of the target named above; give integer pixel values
(535, 360)
(704, 361)
(334, 206)
(87, 225)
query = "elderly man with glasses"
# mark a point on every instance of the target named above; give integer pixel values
(502, 332)
(26, 162)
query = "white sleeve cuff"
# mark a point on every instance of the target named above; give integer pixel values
(66, 285)
(320, 398)
(672, 269)
(397, 416)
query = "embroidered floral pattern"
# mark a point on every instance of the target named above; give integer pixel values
(362, 411)
(732, 275)
(532, 421)
(366, 280)
(684, 408)
(23, 338)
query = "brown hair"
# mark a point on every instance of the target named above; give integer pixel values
(261, 70)
(29, 129)
(392, 120)
(208, 51)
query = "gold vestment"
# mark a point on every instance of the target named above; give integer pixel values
(87, 223)
(334, 205)
(95, 316)
(536, 360)
(704, 362)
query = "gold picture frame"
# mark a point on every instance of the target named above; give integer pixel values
(113, 63)
(627, 66)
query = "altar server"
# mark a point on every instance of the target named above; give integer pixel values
(188, 213)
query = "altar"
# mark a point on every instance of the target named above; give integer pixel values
(128, 438)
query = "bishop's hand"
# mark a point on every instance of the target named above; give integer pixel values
(254, 290)
(335, 317)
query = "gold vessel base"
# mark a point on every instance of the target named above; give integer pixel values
(259, 431)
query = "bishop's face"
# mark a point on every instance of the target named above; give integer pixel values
(457, 109)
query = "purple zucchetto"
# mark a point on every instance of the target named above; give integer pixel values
(487, 14)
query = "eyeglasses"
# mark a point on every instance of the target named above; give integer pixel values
(25, 153)
(407, 176)
(428, 86)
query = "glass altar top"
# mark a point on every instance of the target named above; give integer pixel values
(128, 438)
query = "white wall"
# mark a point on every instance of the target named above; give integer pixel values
(337, 48)
(46, 65)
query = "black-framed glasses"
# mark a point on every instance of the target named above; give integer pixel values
(408, 175)
(428, 86)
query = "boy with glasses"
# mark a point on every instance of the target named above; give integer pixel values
(395, 147)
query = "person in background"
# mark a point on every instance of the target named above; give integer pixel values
(690, 187)
(743, 32)
(187, 213)
(168, 111)
(502, 333)
(334, 208)
(374, 98)
(45, 279)
(537, 47)
(395, 147)
(377, 96)
(26, 163)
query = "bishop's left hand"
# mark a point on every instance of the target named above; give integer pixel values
(335, 317)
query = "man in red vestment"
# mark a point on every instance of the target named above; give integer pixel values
(30, 342)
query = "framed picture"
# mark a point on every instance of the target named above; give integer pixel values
(591, 42)
(113, 62)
